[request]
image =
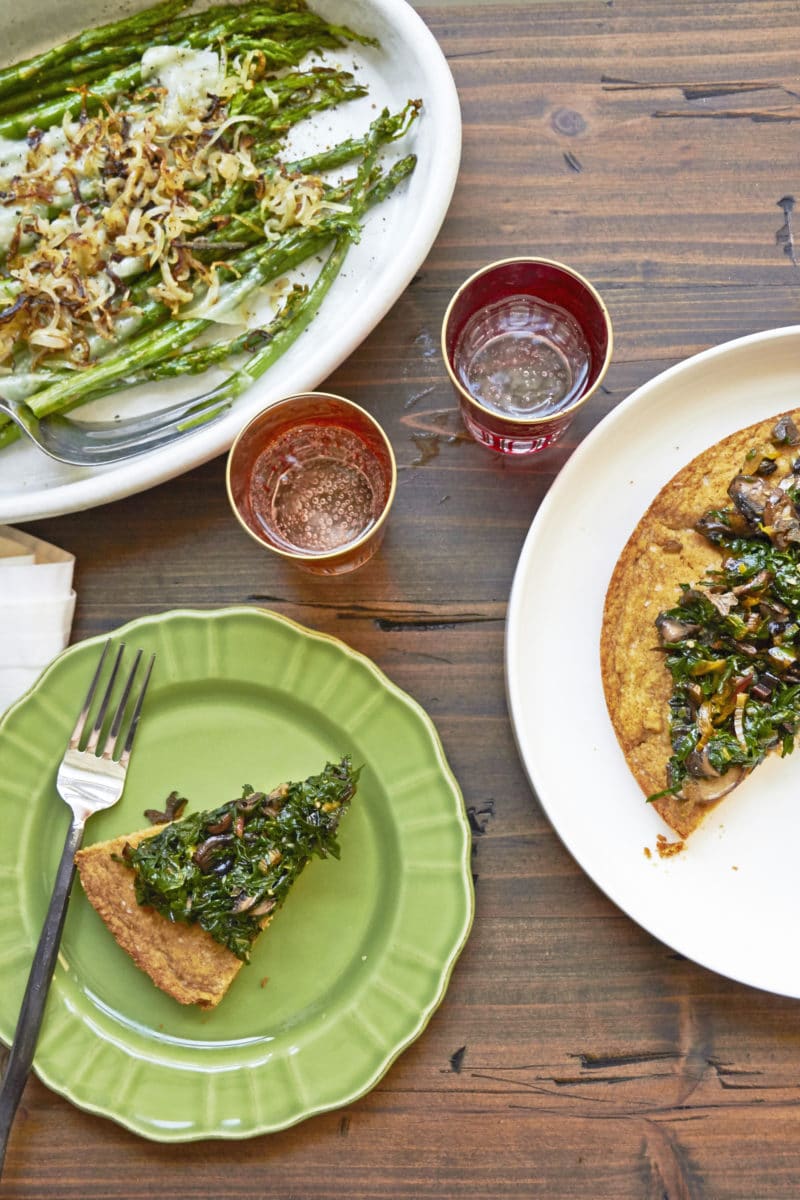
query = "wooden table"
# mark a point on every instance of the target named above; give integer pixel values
(654, 146)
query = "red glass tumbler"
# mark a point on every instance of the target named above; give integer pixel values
(526, 342)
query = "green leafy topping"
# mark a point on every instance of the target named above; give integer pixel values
(230, 868)
(732, 642)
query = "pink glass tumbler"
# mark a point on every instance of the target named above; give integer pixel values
(312, 478)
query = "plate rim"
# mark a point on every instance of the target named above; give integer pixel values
(103, 485)
(514, 683)
(465, 888)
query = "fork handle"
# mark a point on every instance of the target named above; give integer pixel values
(31, 1012)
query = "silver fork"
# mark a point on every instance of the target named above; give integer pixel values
(89, 779)
(98, 443)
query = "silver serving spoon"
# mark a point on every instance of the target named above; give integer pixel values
(98, 443)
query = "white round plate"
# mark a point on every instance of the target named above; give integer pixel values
(727, 900)
(396, 238)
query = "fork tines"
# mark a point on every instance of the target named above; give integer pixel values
(114, 729)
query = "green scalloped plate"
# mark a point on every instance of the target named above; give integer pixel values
(354, 965)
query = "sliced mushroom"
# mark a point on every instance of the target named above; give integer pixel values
(720, 526)
(699, 765)
(173, 807)
(709, 789)
(713, 527)
(785, 432)
(248, 803)
(723, 602)
(783, 523)
(223, 825)
(755, 584)
(768, 508)
(205, 853)
(672, 630)
(751, 496)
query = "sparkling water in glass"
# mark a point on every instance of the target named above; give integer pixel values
(523, 357)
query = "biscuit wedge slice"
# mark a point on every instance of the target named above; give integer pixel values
(187, 899)
(182, 960)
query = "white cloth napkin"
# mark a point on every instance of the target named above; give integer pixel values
(37, 603)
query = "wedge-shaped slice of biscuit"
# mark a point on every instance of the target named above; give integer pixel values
(187, 899)
(183, 960)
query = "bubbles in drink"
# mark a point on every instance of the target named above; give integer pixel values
(522, 357)
(322, 504)
(316, 489)
(519, 372)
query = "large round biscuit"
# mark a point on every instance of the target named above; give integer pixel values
(662, 552)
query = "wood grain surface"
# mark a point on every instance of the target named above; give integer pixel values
(654, 147)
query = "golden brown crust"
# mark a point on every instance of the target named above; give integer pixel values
(182, 960)
(663, 551)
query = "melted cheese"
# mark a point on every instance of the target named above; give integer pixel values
(189, 76)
